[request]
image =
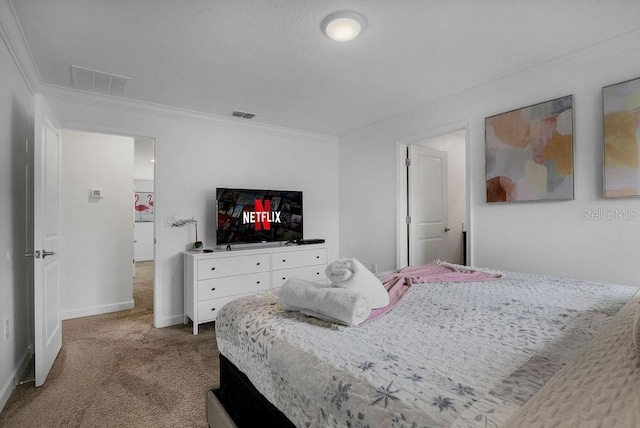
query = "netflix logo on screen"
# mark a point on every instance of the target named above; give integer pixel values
(252, 215)
(262, 217)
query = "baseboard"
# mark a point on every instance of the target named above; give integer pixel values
(97, 310)
(13, 379)
(169, 321)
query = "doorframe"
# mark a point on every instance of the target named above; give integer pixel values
(402, 255)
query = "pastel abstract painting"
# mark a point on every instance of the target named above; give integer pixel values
(529, 153)
(621, 139)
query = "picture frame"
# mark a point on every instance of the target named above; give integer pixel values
(529, 153)
(143, 206)
(621, 139)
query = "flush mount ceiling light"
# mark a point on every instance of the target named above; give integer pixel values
(343, 26)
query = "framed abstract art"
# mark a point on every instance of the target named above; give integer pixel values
(621, 172)
(529, 153)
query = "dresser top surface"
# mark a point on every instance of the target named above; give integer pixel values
(221, 252)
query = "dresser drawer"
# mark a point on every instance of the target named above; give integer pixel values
(295, 259)
(308, 273)
(233, 285)
(208, 309)
(213, 280)
(227, 266)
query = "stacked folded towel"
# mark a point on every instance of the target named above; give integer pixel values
(340, 305)
(349, 299)
(351, 274)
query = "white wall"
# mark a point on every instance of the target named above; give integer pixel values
(142, 159)
(196, 154)
(540, 237)
(16, 127)
(96, 234)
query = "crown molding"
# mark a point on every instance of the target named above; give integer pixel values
(106, 101)
(13, 38)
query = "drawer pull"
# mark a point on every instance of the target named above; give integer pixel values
(213, 309)
(213, 268)
(213, 288)
(257, 282)
(317, 257)
(284, 260)
(284, 277)
(317, 273)
(258, 264)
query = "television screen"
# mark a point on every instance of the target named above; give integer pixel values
(249, 216)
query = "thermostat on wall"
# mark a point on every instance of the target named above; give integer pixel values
(96, 193)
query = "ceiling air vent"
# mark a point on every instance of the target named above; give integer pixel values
(242, 114)
(98, 80)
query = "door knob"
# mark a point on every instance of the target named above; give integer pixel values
(46, 253)
(36, 254)
(446, 229)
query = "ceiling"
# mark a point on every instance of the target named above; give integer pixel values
(270, 58)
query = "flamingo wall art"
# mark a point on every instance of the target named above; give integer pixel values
(143, 206)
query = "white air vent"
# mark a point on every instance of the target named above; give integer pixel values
(242, 114)
(98, 80)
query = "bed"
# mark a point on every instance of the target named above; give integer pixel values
(473, 354)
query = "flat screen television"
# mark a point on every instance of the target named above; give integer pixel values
(251, 215)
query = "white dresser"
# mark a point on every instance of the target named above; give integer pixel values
(213, 279)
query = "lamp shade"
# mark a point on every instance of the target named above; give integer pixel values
(343, 26)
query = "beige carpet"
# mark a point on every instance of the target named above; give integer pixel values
(117, 370)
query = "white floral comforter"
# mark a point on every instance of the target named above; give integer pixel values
(450, 354)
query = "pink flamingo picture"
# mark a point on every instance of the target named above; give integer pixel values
(149, 196)
(141, 207)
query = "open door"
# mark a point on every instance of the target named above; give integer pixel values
(428, 204)
(46, 292)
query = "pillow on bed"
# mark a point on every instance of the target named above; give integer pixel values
(636, 332)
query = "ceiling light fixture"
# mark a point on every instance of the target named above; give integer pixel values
(343, 26)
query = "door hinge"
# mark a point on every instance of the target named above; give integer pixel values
(408, 219)
(407, 161)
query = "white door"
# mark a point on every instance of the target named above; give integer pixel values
(46, 180)
(428, 204)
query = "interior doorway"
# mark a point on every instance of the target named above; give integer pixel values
(433, 199)
(144, 201)
(101, 176)
(96, 174)
(144, 224)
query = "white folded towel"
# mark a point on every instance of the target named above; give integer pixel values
(341, 270)
(338, 305)
(351, 274)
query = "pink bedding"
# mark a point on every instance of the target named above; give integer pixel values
(398, 283)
